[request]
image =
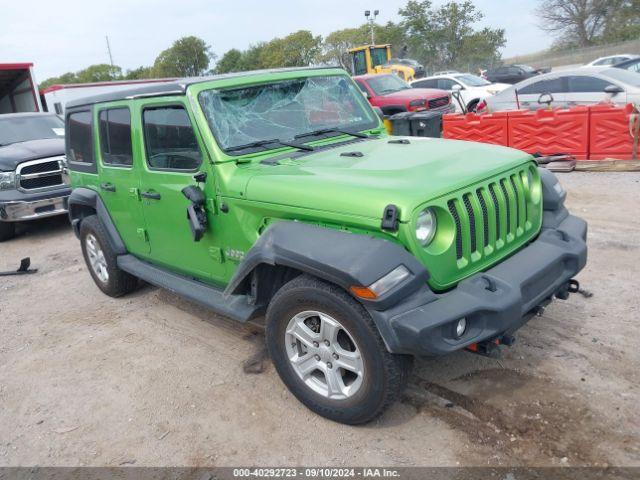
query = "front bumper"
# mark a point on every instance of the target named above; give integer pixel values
(55, 203)
(495, 302)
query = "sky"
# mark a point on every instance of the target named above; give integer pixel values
(69, 35)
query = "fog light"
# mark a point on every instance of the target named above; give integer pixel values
(461, 327)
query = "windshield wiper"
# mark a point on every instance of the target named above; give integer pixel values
(331, 130)
(263, 143)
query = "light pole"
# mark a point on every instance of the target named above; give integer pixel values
(370, 19)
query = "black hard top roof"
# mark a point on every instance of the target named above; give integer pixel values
(175, 87)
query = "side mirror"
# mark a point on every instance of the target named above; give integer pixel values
(195, 211)
(457, 87)
(545, 98)
(613, 90)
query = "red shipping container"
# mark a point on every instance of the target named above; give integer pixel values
(486, 128)
(609, 131)
(551, 131)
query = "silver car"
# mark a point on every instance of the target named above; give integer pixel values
(582, 86)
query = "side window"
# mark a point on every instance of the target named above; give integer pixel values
(445, 84)
(551, 85)
(359, 63)
(115, 137)
(514, 71)
(80, 138)
(584, 84)
(169, 139)
(425, 84)
(635, 67)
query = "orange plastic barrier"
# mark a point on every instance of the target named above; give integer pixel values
(551, 131)
(486, 128)
(609, 132)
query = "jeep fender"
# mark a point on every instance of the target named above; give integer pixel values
(342, 258)
(84, 202)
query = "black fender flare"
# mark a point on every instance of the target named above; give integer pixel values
(393, 109)
(342, 258)
(84, 202)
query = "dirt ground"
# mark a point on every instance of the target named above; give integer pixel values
(151, 379)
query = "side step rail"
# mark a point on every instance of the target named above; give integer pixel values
(235, 306)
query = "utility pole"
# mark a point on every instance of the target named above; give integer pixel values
(109, 50)
(370, 20)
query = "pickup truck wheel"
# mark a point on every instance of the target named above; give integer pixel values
(329, 353)
(7, 231)
(102, 261)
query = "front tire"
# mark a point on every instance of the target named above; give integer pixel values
(7, 231)
(102, 261)
(329, 353)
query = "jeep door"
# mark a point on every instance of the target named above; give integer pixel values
(173, 155)
(119, 169)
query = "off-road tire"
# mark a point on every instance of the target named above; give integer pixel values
(119, 282)
(385, 374)
(7, 231)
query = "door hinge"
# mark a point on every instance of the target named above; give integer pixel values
(134, 192)
(216, 254)
(142, 234)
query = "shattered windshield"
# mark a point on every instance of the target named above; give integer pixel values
(285, 109)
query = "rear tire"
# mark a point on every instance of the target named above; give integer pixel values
(472, 105)
(329, 353)
(102, 261)
(7, 231)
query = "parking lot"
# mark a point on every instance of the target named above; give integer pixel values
(151, 379)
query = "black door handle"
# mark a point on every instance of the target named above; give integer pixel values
(109, 187)
(151, 195)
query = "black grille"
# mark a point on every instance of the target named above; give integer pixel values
(496, 205)
(507, 204)
(472, 221)
(438, 102)
(485, 217)
(456, 219)
(51, 166)
(41, 182)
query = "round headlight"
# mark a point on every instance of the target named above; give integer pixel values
(426, 226)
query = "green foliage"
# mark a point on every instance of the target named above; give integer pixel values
(230, 61)
(140, 73)
(95, 73)
(446, 37)
(187, 57)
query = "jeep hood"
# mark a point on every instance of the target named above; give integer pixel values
(406, 175)
(13, 154)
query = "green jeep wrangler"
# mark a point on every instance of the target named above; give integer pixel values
(279, 194)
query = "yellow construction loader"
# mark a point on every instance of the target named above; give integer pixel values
(369, 59)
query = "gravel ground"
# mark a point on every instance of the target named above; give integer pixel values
(151, 379)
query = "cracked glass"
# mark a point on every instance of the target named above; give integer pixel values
(285, 109)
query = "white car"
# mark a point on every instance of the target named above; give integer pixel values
(581, 86)
(611, 60)
(471, 87)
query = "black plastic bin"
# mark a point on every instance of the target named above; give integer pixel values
(417, 124)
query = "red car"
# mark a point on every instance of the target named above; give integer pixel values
(394, 95)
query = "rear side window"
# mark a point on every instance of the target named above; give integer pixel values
(584, 84)
(115, 137)
(170, 140)
(80, 139)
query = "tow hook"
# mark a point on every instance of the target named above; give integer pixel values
(572, 286)
(489, 348)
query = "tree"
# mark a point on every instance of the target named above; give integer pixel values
(99, 73)
(187, 57)
(64, 79)
(623, 23)
(446, 37)
(140, 73)
(230, 61)
(297, 49)
(576, 23)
